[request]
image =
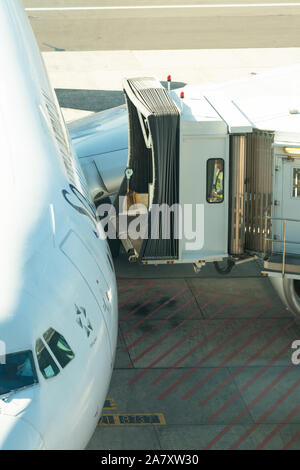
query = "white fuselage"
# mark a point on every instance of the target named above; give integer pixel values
(56, 266)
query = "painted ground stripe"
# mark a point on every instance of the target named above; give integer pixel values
(164, 304)
(136, 294)
(110, 404)
(278, 427)
(208, 356)
(238, 371)
(229, 320)
(266, 414)
(167, 371)
(179, 286)
(166, 7)
(245, 410)
(154, 296)
(158, 325)
(247, 385)
(127, 287)
(291, 441)
(141, 419)
(126, 332)
(233, 354)
(166, 335)
(144, 371)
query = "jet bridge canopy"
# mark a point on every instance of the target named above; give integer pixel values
(153, 157)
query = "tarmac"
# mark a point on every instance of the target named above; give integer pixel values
(99, 25)
(203, 362)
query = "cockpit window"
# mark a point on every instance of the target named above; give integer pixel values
(46, 363)
(59, 346)
(17, 372)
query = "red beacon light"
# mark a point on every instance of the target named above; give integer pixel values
(181, 99)
(169, 82)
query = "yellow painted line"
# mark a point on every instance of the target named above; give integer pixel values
(140, 419)
(110, 404)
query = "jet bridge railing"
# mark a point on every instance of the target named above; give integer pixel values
(284, 241)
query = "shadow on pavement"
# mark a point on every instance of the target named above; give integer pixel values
(96, 100)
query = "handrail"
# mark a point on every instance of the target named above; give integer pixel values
(281, 241)
(281, 218)
(284, 241)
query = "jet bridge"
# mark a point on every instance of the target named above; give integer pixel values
(204, 182)
(177, 180)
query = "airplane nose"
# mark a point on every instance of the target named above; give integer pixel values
(16, 434)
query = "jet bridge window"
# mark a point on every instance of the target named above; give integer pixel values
(17, 372)
(59, 346)
(215, 180)
(46, 363)
(296, 182)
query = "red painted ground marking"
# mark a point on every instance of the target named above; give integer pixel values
(231, 356)
(126, 287)
(150, 299)
(291, 441)
(187, 336)
(154, 311)
(266, 414)
(236, 373)
(159, 281)
(247, 385)
(208, 356)
(241, 414)
(155, 327)
(187, 374)
(278, 427)
(175, 346)
(136, 294)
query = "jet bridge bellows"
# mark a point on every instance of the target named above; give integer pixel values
(153, 163)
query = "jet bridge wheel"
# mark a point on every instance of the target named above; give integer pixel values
(224, 268)
(289, 292)
(132, 258)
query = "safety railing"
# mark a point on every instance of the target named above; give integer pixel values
(284, 241)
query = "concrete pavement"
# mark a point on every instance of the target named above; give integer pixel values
(211, 353)
(144, 26)
(92, 81)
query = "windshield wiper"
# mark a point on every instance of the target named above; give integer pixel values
(14, 391)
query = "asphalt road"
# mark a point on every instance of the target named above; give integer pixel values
(163, 24)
